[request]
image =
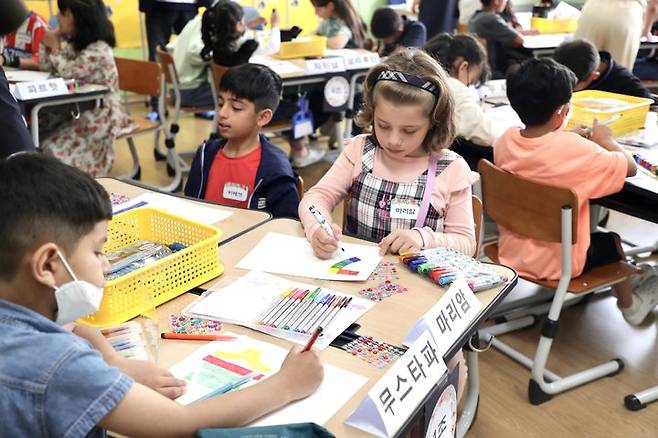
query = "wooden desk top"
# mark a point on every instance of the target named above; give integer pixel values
(239, 222)
(388, 321)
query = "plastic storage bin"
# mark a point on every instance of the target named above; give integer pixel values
(633, 114)
(141, 290)
(308, 46)
(544, 25)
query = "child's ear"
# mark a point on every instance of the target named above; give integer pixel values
(264, 117)
(45, 265)
(594, 76)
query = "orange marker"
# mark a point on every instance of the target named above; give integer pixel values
(188, 337)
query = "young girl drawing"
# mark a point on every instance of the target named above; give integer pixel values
(341, 24)
(406, 190)
(85, 142)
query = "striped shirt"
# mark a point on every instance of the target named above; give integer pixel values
(26, 39)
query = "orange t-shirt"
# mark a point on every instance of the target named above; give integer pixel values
(562, 159)
(231, 180)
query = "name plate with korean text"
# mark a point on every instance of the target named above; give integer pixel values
(40, 89)
(324, 65)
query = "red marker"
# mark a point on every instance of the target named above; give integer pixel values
(311, 341)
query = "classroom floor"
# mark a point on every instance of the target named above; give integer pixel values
(589, 334)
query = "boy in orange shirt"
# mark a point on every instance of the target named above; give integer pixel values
(540, 91)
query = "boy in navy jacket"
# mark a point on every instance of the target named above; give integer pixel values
(243, 169)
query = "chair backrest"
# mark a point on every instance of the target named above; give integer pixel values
(525, 207)
(141, 77)
(477, 220)
(217, 73)
(166, 61)
(300, 186)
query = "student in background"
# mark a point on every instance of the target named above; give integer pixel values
(597, 70)
(394, 31)
(21, 48)
(52, 231)
(465, 60)
(341, 24)
(192, 68)
(540, 92)
(243, 169)
(409, 108)
(15, 136)
(504, 43)
(85, 142)
(164, 18)
(227, 44)
(437, 16)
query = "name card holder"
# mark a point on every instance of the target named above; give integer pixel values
(449, 317)
(40, 89)
(324, 65)
(393, 399)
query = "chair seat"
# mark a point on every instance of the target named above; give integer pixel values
(140, 126)
(593, 279)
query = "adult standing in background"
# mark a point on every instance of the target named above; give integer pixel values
(616, 26)
(164, 18)
(15, 136)
(437, 15)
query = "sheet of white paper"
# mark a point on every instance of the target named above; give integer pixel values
(282, 254)
(545, 41)
(244, 300)
(190, 210)
(281, 67)
(337, 387)
(504, 117)
(14, 75)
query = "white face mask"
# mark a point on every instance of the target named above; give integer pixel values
(565, 121)
(76, 298)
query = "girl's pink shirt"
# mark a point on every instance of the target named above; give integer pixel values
(451, 195)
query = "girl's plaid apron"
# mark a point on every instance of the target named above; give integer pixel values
(368, 213)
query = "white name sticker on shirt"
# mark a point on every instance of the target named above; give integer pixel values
(235, 191)
(404, 208)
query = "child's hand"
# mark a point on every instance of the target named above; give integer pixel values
(601, 134)
(274, 18)
(324, 246)
(583, 131)
(401, 241)
(51, 39)
(159, 379)
(301, 372)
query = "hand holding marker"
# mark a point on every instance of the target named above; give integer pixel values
(324, 224)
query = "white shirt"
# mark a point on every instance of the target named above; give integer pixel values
(470, 120)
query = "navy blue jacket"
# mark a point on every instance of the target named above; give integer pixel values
(275, 189)
(15, 136)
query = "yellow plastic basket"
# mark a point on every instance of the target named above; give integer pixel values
(632, 118)
(544, 25)
(308, 46)
(141, 290)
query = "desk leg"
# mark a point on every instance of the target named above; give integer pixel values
(350, 105)
(34, 124)
(470, 406)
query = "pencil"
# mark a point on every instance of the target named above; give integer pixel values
(311, 341)
(188, 337)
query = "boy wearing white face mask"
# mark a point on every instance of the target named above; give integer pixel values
(540, 91)
(53, 228)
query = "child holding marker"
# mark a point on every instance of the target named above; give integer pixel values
(54, 383)
(406, 190)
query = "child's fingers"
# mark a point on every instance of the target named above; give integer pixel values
(338, 232)
(384, 244)
(407, 247)
(173, 392)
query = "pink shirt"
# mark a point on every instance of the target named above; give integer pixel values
(562, 159)
(452, 193)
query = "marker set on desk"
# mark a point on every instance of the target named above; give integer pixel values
(303, 310)
(443, 266)
(127, 340)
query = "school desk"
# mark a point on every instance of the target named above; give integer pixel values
(239, 222)
(85, 97)
(544, 45)
(388, 321)
(304, 80)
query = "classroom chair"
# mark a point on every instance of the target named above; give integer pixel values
(299, 182)
(176, 165)
(543, 212)
(144, 78)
